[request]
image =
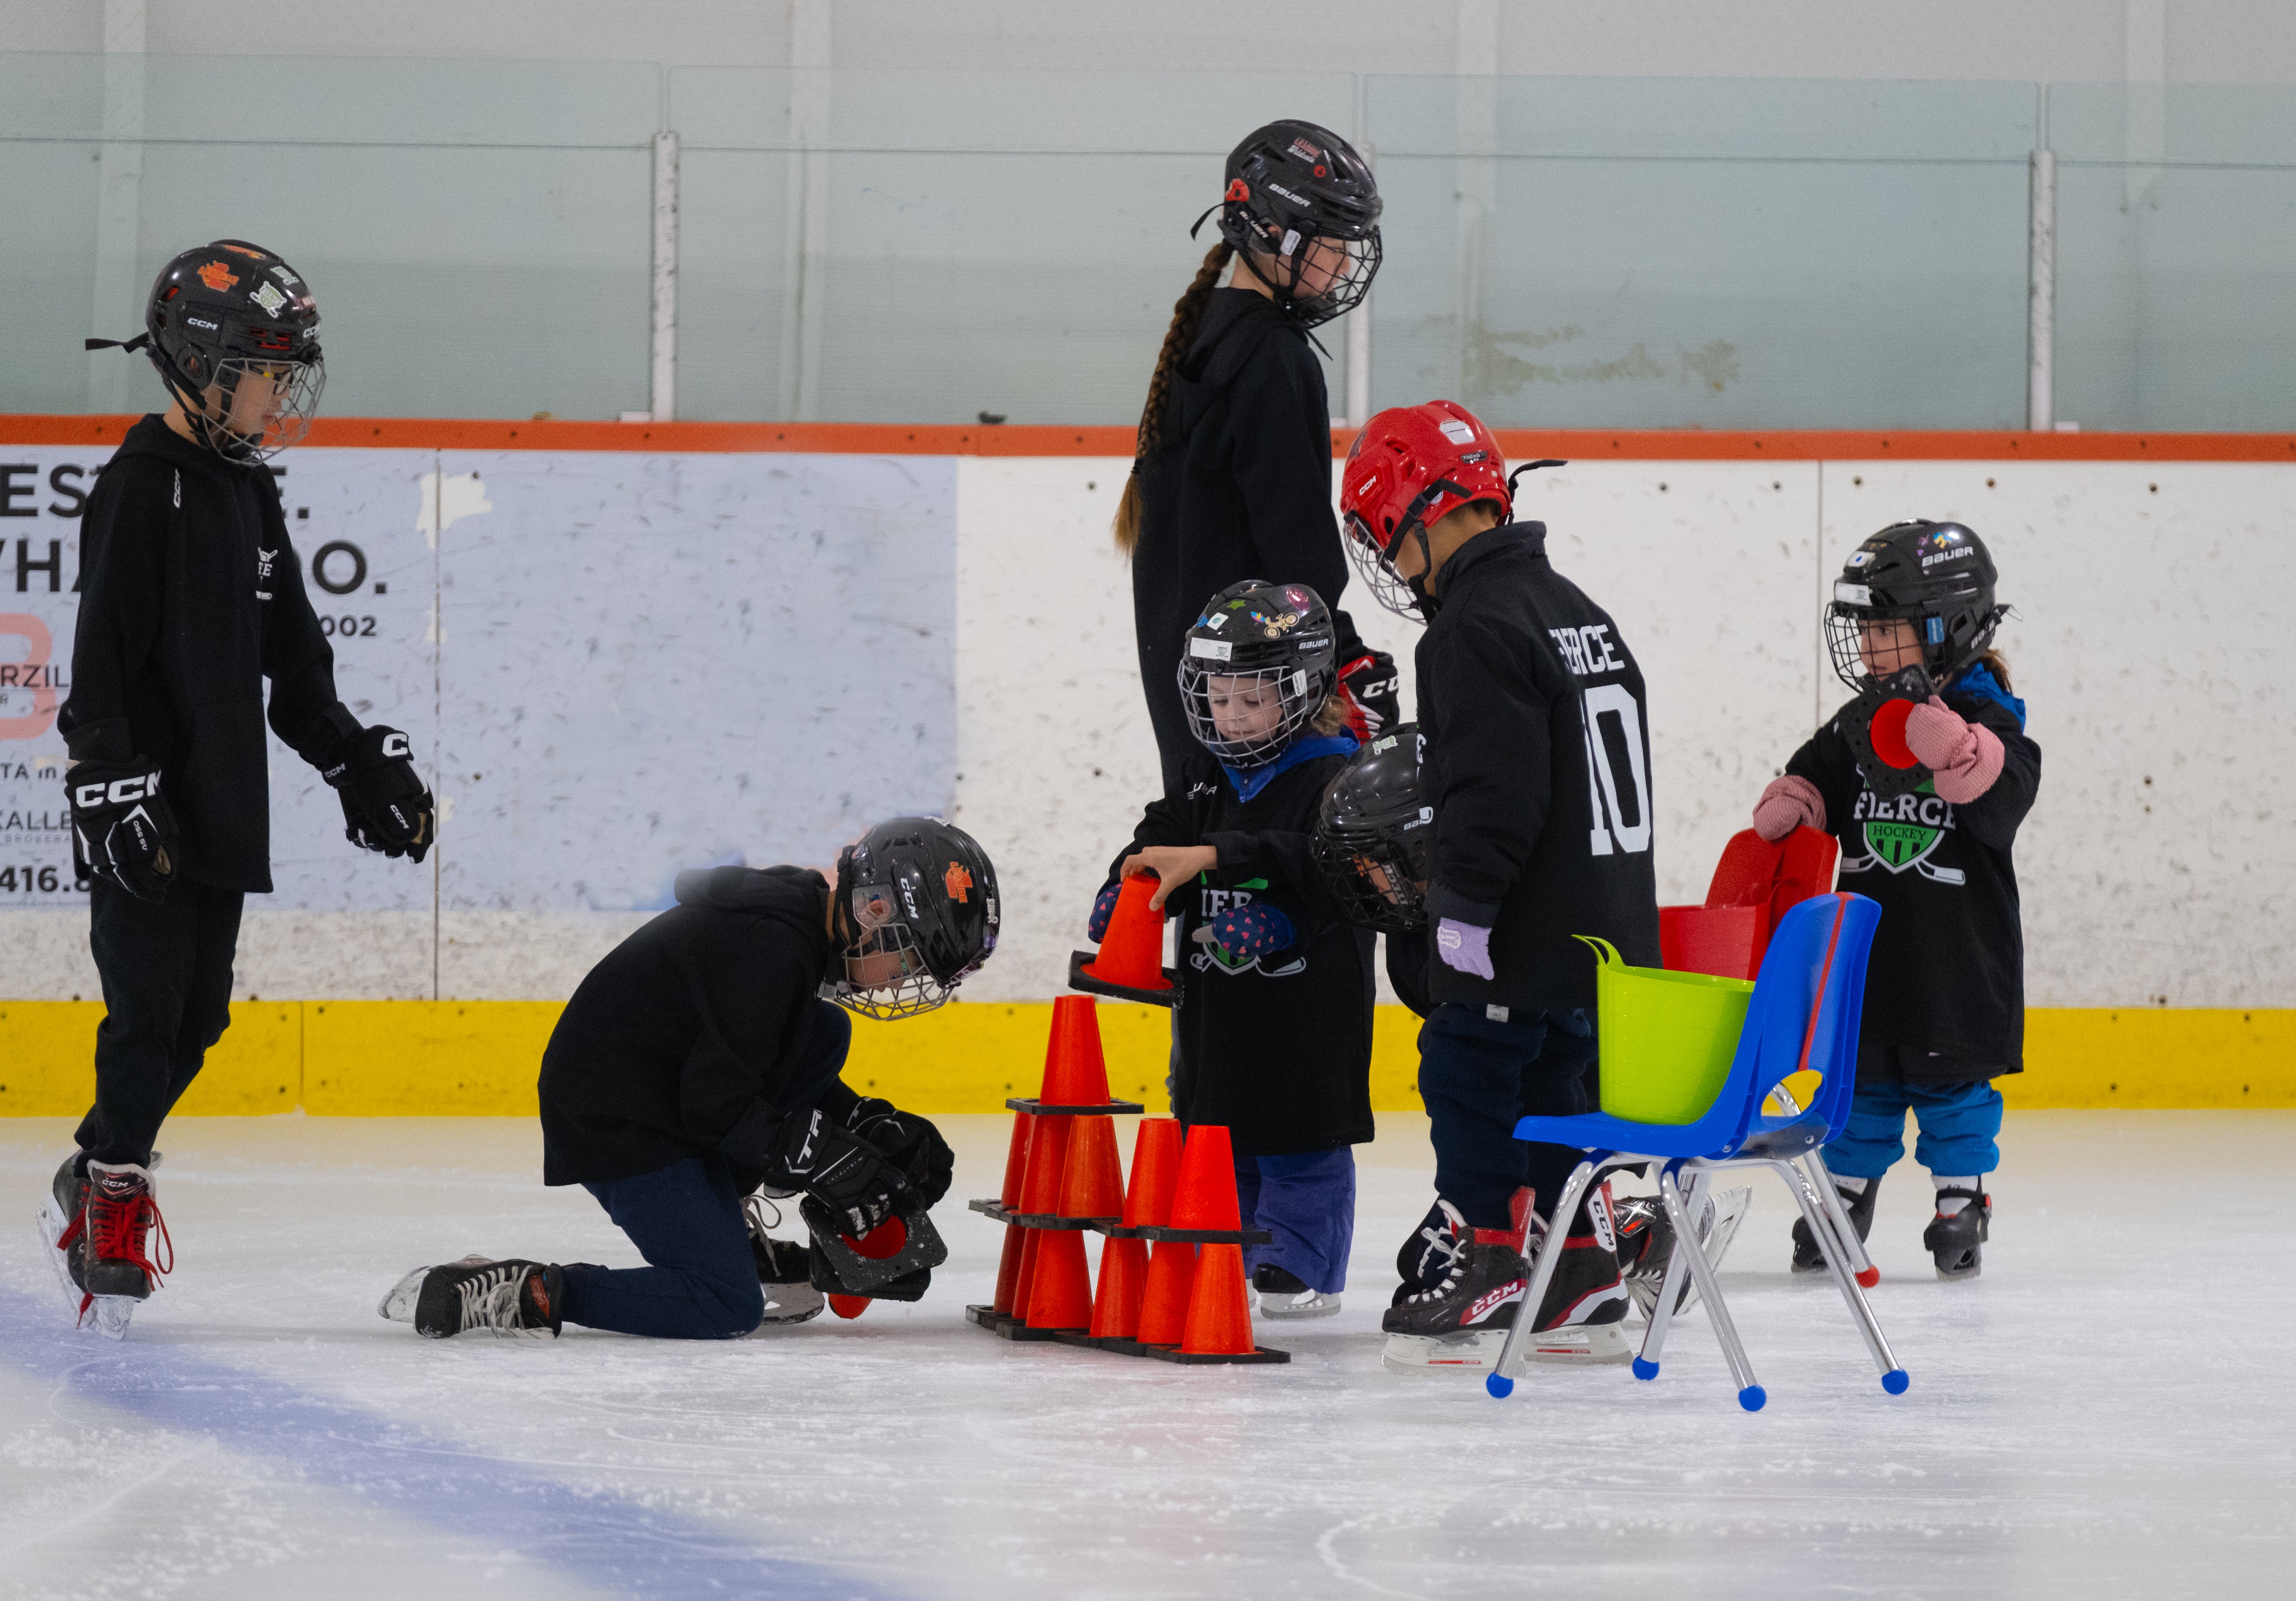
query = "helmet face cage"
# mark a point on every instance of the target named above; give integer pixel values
(1377, 881)
(1317, 276)
(909, 948)
(1377, 570)
(284, 422)
(874, 952)
(1297, 693)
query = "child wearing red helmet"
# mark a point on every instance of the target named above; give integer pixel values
(1537, 766)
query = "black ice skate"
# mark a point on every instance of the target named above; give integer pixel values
(1859, 1205)
(104, 1249)
(1646, 1243)
(509, 1298)
(783, 1271)
(1283, 1293)
(1957, 1241)
(1462, 1324)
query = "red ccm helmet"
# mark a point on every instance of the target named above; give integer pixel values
(1411, 466)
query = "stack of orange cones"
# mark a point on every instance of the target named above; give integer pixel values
(1216, 1326)
(1060, 1178)
(1136, 1291)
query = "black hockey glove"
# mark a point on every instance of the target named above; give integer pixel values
(386, 806)
(1372, 689)
(808, 1151)
(909, 1143)
(122, 826)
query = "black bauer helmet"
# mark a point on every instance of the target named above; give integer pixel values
(1937, 576)
(1256, 669)
(920, 898)
(1303, 209)
(1374, 835)
(220, 317)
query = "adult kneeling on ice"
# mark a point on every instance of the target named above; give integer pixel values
(699, 1061)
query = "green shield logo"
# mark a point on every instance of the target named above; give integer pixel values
(1909, 831)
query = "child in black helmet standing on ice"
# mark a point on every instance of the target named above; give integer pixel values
(1925, 779)
(192, 594)
(1232, 476)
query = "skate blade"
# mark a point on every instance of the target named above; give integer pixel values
(1285, 1309)
(1728, 1210)
(1581, 1346)
(398, 1305)
(1469, 1353)
(791, 1303)
(52, 1224)
(109, 1314)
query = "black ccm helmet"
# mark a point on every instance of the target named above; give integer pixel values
(920, 899)
(1290, 184)
(217, 314)
(1259, 660)
(1374, 835)
(1937, 576)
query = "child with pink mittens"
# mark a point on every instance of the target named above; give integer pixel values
(1945, 1002)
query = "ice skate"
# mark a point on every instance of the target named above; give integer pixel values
(63, 1231)
(108, 1242)
(511, 1298)
(783, 1271)
(1461, 1325)
(1285, 1295)
(1957, 1241)
(1859, 1204)
(1646, 1243)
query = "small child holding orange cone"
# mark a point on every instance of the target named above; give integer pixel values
(1274, 1032)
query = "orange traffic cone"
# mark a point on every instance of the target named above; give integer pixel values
(1008, 1268)
(1024, 1280)
(1048, 1151)
(1060, 1295)
(1219, 1312)
(1075, 1073)
(1206, 1198)
(1155, 1172)
(849, 1306)
(1131, 959)
(1093, 1186)
(1123, 1282)
(1016, 1162)
(1164, 1302)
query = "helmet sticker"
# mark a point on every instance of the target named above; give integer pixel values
(1860, 559)
(1458, 433)
(1290, 238)
(1211, 650)
(284, 277)
(1853, 594)
(1238, 190)
(217, 276)
(241, 250)
(958, 881)
(1306, 151)
(269, 298)
(1217, 620)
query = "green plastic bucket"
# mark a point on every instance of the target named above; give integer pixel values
(1667, 1038)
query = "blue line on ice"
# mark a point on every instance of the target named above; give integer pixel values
(595, 1537)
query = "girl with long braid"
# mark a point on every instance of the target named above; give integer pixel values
(1231, 470)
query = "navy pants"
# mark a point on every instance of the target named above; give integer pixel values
(167, 999)
(1959, 1124)
(1477, 1076)
(701, 1280)
(1308, 1201)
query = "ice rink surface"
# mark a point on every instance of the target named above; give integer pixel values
(2110, 1410)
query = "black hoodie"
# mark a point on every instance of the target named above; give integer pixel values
(1240, 488)
(192, 596)
(698, 1033)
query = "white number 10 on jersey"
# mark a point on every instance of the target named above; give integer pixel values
(1611, 831)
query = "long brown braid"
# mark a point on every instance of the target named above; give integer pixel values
(1187, 316)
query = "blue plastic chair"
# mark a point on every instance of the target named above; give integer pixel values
(1804, 1014)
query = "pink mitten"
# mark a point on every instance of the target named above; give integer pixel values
(1790, 802)
(1963, 758)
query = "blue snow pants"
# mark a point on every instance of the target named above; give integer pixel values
(1309, 1202)
(1958, 1124)
(686, 1222)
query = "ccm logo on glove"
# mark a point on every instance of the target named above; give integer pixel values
(119, 792)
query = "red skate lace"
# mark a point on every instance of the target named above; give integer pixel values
(120, 1227)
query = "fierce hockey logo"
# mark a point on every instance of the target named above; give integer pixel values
(1211, 957)
(1903, 831)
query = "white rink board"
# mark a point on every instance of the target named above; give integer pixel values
(659, 660)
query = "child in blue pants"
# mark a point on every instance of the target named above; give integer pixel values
(1926, 806)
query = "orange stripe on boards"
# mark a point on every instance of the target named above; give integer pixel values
(877, 439)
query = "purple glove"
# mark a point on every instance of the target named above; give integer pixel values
(1252, 929)
(1465, 948)
(1095, 928)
